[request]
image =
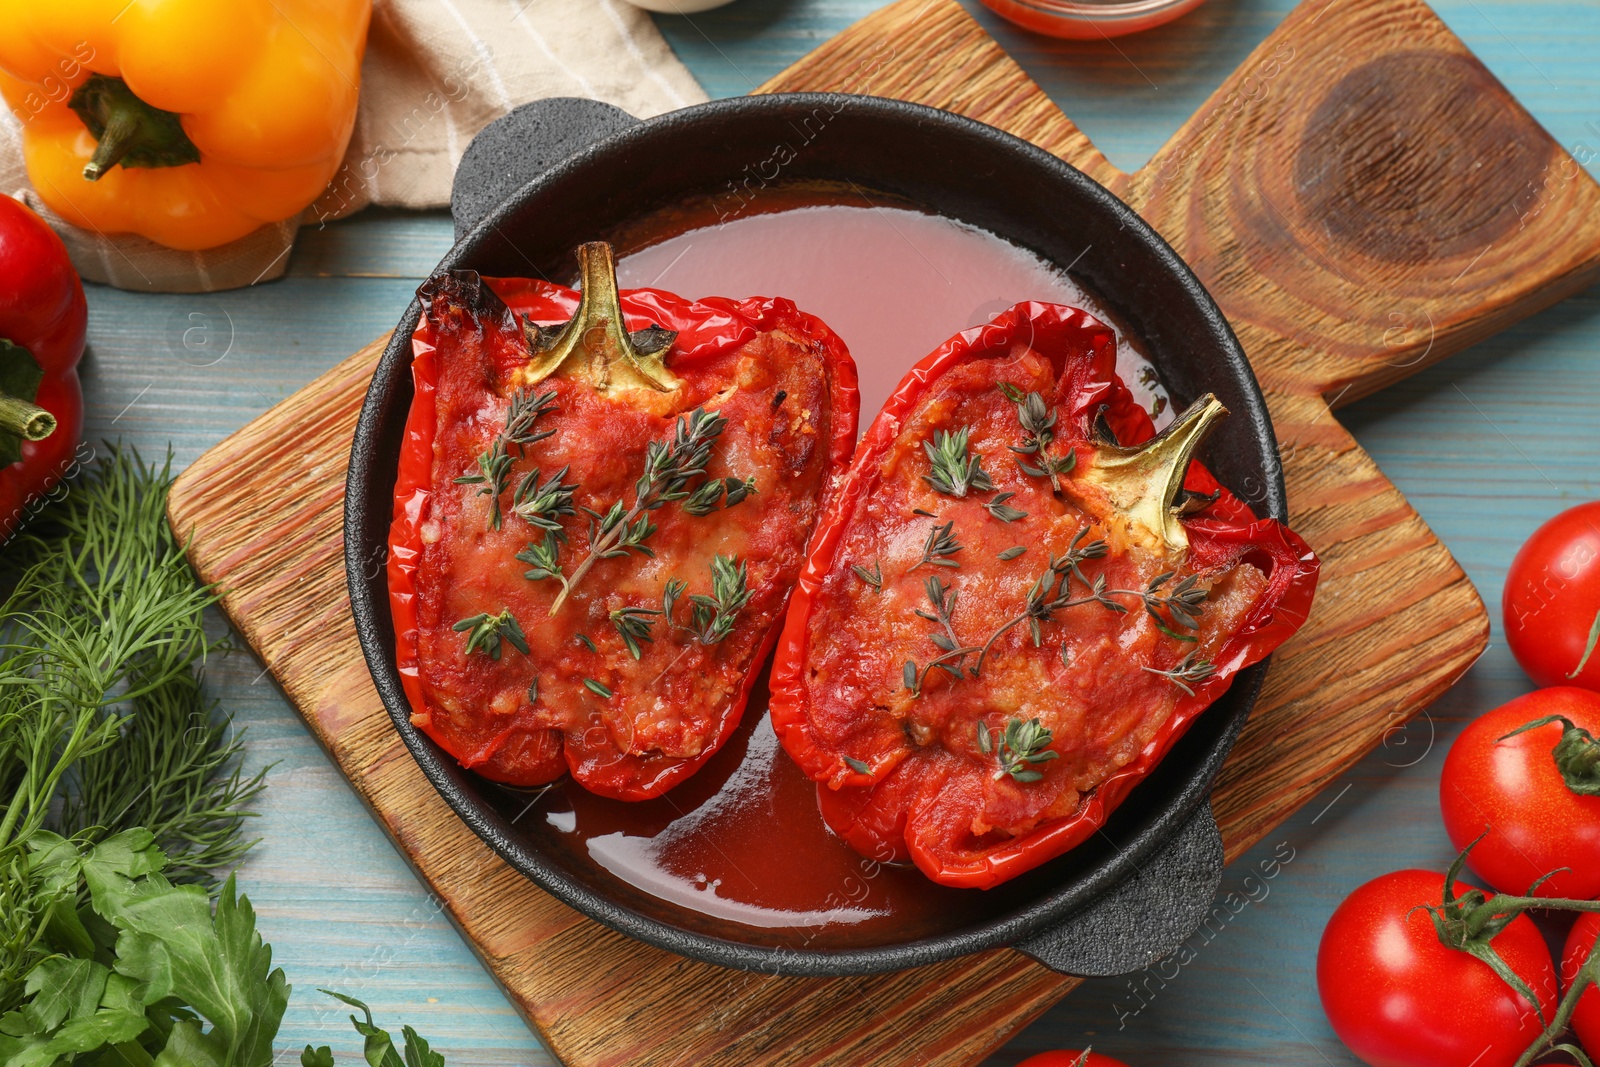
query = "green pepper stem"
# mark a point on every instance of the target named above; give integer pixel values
(595, 346)
(131, 132)
(22, 419)
(1144, 482)
(121, 136)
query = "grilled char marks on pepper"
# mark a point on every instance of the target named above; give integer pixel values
(963, 704)
(647, 537)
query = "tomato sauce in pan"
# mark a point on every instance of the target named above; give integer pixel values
(742, 841)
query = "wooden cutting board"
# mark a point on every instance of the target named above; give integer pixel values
(1361, 197)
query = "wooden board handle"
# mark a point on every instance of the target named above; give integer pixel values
(1363, 198)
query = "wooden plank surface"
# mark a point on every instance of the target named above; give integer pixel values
(366, 927)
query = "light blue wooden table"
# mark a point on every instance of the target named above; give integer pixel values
(1486, 445)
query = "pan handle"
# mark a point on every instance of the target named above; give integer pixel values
(1144, 917)
(520, 145)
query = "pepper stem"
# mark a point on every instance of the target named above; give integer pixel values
(130, 131)
(596, 346)
(1144, 482)
(22, 419)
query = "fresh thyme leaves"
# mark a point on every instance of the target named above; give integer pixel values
(587, 642)
(524, 412)
(943, 598)
(1052, 592)
(1183, 602)
(533, 690)
(874, 577)
(1189, 669)
(544, 505)
(718, 492)
(952, 653)
(1011, 553)
(1000, 510)
(713, 616)
(596, 688)
(494, 464)
(544, 559)
(494, 474)
(634, 626)
(924, 512)
(668, 467)
(485, 632)
(857, 766)
(954, 472)
(1038, 427)
(1018, 748)
(940, 546)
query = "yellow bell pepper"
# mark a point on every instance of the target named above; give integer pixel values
(192, 122)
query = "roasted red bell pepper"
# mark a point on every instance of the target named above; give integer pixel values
(42, 323)
(602, 504)
(1017, 602)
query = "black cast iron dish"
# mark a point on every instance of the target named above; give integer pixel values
(554, 174)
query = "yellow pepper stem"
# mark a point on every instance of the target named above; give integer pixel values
(130, 131)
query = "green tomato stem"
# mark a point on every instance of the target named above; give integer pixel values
(1587, 975)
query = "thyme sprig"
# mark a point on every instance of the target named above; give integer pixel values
(1052, 592)
(485, 632)
(543, 506)
(1021, 746)
(669, 466)
(1038, 427)
(874, 577)
(718, 492)
(712, 618)
(954, 472)
(544, 559)
(634, 624)
(1183, 601)
(494, 464)
(1189, 669)
(943, 598)
(1003, 511)
(939, 547)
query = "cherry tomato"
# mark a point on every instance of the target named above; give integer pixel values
(1551, 602)
(1586, 1020)
(1070, 1058)
(1513, 790)
(1399, 998)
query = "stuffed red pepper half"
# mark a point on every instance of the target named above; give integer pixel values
(1018, 600)
(602, 504)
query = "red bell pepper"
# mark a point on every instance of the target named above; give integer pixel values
(1019, 599)
(43, 319)
(603, 501)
